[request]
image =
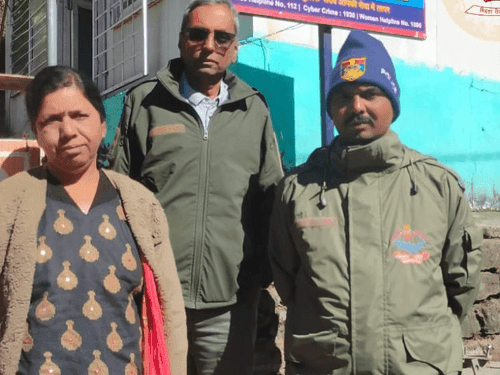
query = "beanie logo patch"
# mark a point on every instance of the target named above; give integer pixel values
(352, 69)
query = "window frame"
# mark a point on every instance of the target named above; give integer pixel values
(126, 16)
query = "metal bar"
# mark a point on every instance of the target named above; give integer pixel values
(117, 64)
(72, 52)
(52, 32)
(325, 66)
(43, 63)
(93, 39)
(121, 84)
(121, 40)
(14, 13)
(145, 36)
(20, 47)
(104, 52)
(115, 45)
(37, 56)
(39, 9)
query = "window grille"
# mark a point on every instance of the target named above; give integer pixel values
(119, 55)
(29, 36)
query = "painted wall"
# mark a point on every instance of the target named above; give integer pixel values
(295, 106)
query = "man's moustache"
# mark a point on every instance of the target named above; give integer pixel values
(360, 119)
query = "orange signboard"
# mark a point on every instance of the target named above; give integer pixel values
(17, 155)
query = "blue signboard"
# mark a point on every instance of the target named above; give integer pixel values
(400, 17)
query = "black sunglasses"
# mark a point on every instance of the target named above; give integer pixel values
(198, 35)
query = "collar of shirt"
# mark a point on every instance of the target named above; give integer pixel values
(195, 98)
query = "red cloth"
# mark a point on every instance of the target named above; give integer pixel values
(154, 348)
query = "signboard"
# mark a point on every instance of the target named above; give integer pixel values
(400, 17)
(17, 155)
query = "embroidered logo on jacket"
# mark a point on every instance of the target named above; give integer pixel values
(352, 69)
(410, 244)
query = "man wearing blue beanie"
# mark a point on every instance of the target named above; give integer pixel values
(374, 250)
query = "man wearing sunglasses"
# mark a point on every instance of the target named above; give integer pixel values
(202, 140)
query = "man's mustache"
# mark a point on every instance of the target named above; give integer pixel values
(360, 119)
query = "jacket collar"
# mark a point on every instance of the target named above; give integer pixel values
(384, 155)
(171, 76)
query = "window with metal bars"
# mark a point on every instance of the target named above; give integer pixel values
(119, 48)
(29, 36)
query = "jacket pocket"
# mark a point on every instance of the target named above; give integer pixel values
(440, 347)
(310, 347)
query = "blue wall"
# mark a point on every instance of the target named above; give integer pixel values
(454, 118)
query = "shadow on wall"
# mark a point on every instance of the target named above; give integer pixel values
(278, 90)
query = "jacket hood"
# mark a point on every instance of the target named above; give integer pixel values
(170, 77)
(384, 155)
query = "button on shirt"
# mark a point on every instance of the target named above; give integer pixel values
(202, 104)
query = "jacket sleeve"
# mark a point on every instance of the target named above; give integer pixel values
(260, 207)
(129, 145)
(283, 255)
(462, 258)
(271, 171)
(174, 314)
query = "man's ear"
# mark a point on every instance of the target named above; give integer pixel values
(234, 58)
(104, 129)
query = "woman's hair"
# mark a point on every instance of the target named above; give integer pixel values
(53, 78)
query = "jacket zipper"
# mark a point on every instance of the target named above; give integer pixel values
(201, 208)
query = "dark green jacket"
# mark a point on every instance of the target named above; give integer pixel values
(377, 259)
(213, 189)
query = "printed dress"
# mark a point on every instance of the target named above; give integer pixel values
(83, 317)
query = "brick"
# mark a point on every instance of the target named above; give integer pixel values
(490, 285)
(478, 346)
(491, 254)
(492, 233)
(488, 313)
(495, 341)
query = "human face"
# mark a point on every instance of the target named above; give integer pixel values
(207, 57)
(361, 113)
(70, 130)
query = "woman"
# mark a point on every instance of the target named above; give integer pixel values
(72, 242)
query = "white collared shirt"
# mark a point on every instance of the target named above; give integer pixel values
(202, 104)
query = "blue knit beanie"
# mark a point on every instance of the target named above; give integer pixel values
(364, 59)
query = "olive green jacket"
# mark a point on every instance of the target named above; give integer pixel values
(215, 190)
(376, 256)
(23, 203)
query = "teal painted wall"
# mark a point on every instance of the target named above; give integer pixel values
(300, 65)
(114, 108)
(455, 118)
